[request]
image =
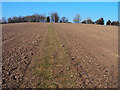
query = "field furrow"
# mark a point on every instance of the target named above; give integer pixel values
(39, 55)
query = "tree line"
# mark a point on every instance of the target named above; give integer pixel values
(100, 21)
(35, 18)
(54, 17)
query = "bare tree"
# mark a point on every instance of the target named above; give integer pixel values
(56, 17)
(77, 19)
(36, 17)
(52, 17)
(4, 21)
(42, 18)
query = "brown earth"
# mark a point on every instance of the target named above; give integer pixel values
(59, 55)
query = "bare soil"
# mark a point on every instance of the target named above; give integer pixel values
(42, 55)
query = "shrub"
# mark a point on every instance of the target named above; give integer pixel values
(100, 21)
(48, 19)
(84, 22)
(64, 20)
(115, 23)
(108, 22)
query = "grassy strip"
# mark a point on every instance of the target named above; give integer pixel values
(55, 69)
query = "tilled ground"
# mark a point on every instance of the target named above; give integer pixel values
(59, 55)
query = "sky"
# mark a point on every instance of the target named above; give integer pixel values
(60, 0)
(94, 10)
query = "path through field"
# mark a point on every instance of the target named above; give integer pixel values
(59, 55)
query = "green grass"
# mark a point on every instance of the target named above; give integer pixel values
(55, 62)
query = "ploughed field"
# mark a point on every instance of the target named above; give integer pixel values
(40, 55)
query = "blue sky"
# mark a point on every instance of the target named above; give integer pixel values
(60, 0)
(94, 10)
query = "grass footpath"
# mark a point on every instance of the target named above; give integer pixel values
(55, 69)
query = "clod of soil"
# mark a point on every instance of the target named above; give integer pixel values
(73, 58)
(62, 45)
